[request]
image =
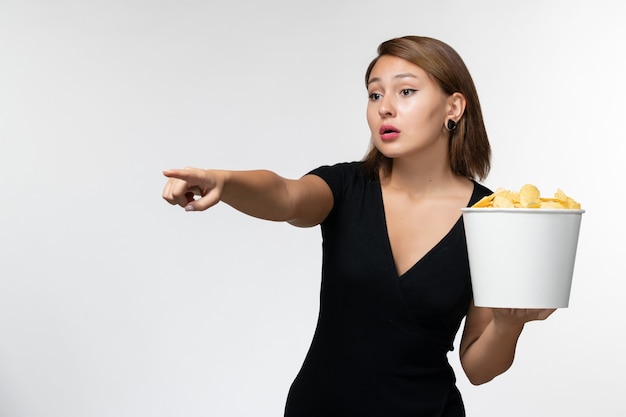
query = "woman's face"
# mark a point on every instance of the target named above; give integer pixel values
(407, 110)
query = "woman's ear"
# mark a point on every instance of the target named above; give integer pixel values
(456, 106)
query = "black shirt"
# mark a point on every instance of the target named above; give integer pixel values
(381, 342)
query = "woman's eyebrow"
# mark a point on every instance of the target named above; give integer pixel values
(398, 76)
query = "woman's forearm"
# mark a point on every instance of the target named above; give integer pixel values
(490, 339)
(261, 193)
(492, 353)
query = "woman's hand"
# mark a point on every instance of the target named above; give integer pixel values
(490, 337)
(504, 318)
(185, 184)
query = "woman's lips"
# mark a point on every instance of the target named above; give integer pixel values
(388, 132)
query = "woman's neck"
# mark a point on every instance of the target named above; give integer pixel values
(421, 176)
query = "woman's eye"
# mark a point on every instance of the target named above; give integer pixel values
(407, 91)
(375, 96)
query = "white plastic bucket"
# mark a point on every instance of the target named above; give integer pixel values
(521, 258)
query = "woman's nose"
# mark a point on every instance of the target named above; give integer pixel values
(386, 108)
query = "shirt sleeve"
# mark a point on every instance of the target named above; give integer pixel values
(337, 177)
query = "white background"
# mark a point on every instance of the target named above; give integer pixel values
(114, 303)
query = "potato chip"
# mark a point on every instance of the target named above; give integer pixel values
(503, 198)
(484, 202)
(551, 204)
(502, 201)
(573, 204)
(560, 195)
(527, 197)
(515, 198)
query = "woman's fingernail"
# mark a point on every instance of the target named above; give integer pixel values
(188, 207)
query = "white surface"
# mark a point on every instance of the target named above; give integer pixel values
(521, 258)
(113, 303)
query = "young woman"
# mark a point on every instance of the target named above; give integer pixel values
(395, 277)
